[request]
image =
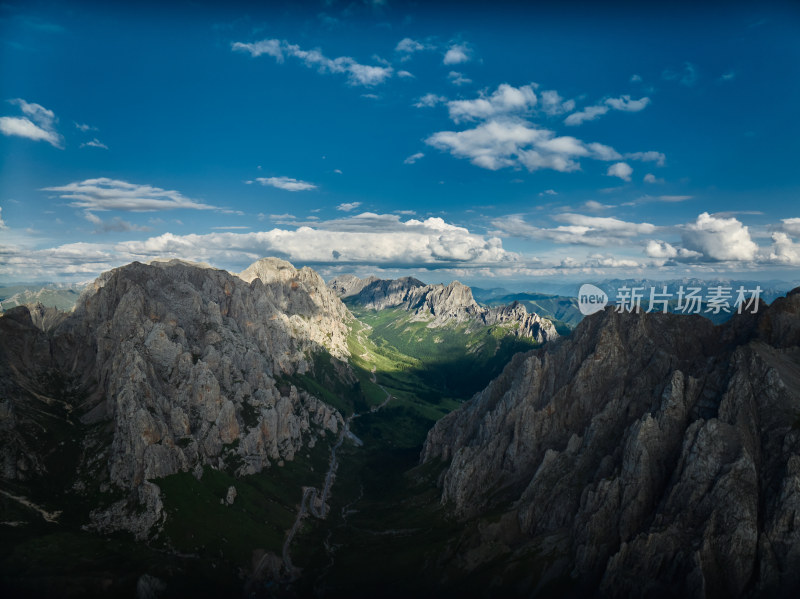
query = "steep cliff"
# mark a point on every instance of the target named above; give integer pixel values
(173, 367)
(646, 455)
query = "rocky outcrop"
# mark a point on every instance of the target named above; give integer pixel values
(349, 285)
(646, 455)
(440, 305)
(189, 366)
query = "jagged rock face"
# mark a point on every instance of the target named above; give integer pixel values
(349, 285)
(440, 305)
(659, 454)
(186, 362)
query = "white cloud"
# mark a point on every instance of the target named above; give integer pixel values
(95, 143)
(93, 218)
(506, 99)
(621, 170)
(38, 124)
(650, 156)
(651, 178)
(406, 47)
(784, 250)
(457, 54)
(111, 194)
(578, 230)
(492, 145)
(348, 206)
(413, 158)
(2, 222)
(409, 46)
(553, 104)
(719, 238)
(605, 224)
(379, 240)
(791, 225)
(404, 74)
(625, 103)
(636, 78)
(664, 251)
(729, 75)
(587, 114)
(457, 78)
(286, 183)
(602, 152)
(358, 74)
(590, 113)
(429, 100)
(84, 127)
(596, 206)
(509, 142)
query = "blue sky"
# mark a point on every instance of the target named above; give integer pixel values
(486, 142)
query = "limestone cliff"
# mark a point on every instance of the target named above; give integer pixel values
(646, 455)
(182, 366)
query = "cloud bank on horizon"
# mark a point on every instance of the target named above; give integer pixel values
(388, 138)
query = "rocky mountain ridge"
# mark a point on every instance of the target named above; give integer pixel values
(170, 367)
(440, 305)
(646, 455)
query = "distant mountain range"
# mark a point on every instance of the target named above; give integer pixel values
(52, 295)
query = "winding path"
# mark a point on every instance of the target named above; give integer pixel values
(309, 502)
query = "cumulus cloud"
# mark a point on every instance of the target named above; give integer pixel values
(625, 103)
(791, 225)
(111, 194)
(506, 99)
(379, 240)
(413, 158)
(665, 251)
(596, 206)
(358, 74)
(429, 100)
(590, 113)
(651, 178)
(348, 206)
(553, 104)
(513, 142)
(579, 229)
(286, 183)
(783, 250)
(621, 169)
(457, 54)
(719, 239)
(650, 156)
(587, 114)
(406, 47)
(38, 124)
